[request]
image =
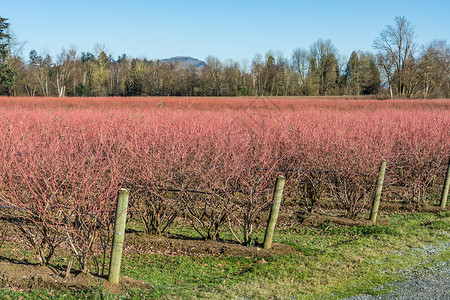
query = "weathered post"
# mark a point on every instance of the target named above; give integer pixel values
(119, 234)
(277, 193)
(376, 199)
(446, 187)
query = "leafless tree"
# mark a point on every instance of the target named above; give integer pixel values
(396, 53)
(213, 71)
(64, 68)
(434, 69)
(300, 64)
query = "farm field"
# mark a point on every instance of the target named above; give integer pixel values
(201, 172)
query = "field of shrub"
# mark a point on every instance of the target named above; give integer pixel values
(211, 163)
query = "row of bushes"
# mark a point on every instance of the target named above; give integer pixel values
(61, 169)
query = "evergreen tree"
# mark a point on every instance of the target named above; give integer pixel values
(371, 79)
(361, 75)
(133, 82)
(323, 76)
(4, 39)
(353, 74)
(6, 73)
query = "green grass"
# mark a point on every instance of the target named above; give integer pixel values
(331, 262)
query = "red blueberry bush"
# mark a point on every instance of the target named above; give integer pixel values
(213, 161)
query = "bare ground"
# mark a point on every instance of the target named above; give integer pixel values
(178, 245)
(25, 276)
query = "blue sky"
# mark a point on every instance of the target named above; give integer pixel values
(225, 29)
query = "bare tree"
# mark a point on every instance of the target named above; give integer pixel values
(256, 71)
(396, 53)
(64, 68)
(300, 64)
(232, 77)
(214, 70)
(269, 73)
(39, 67)
(434, 69)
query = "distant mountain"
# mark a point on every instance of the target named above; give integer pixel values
(184, 62)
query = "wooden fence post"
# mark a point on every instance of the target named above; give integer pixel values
(376, 199)
(119, 235)
(277, 193)
(446, 187)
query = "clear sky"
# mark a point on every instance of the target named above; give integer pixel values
(226, 29)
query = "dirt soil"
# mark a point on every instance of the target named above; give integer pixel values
(178, 245)
(25, 276)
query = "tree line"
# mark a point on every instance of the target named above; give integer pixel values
(399, 68)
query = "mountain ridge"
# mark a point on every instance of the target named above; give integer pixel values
(184, 62)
